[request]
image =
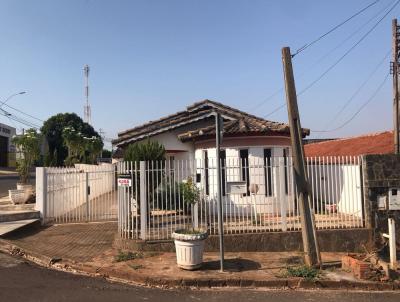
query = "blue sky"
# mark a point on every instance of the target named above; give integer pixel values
(153, 58)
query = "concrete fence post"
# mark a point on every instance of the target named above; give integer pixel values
(143, 200)
(282, 192)
(41, 193)
(195, 215)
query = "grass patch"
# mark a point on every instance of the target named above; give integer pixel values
(303, 271)
(126, 256)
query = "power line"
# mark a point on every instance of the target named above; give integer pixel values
(359, 109)
(18, 119)
(348, 51)
(323, 57)
(333, 29)
(347, 103)
(18, 110)
(340, 59)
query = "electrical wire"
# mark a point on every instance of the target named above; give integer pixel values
(20, 111)
(18, 119)
(347, 103)
(359, 109)
(323, 57)
(339, 60)
(333, 29)
(348, 51)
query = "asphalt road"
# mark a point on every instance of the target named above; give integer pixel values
(23, 281)
(7, 183)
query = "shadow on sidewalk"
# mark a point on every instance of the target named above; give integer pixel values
(232, 265)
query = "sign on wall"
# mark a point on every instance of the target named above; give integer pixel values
(236, 187)
(394, 199)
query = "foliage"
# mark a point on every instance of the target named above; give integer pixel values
(126, 256)
(303, 271)
(146, 151)
(28, 145)
(106, 153)
(81, 149)
(190, 193)
(52, 130)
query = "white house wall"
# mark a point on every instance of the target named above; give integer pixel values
(258, 203)
(337, 185)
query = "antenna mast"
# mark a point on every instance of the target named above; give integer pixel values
(87, 112)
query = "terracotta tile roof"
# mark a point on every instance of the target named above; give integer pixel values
(239, 126)
(374, 143)
(237, 121)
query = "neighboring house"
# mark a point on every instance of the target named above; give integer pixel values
(7, 148)
(248, 149)
(336, 171)
(374, 143)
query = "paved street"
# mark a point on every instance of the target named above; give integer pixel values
(23, 281)
(7, 183)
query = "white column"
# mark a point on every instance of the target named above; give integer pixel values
(41, 193)
(143, 201)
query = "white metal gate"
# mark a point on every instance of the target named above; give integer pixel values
(84, 193)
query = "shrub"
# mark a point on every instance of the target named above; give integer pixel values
(28, 145)
(303, 271)
(147, 151)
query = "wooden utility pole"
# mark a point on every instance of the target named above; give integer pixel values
(395, 71)
(310, 244)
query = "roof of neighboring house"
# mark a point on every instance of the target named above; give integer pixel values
(374, 143)
(235, 122)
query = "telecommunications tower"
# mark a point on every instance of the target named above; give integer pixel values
(87, 112)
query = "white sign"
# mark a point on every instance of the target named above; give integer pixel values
(236, 187)
(394, 199)
(124, 182)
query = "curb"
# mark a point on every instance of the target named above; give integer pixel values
(205, 283)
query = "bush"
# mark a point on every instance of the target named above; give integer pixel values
(303, 271)
(28, 145)
(147, 151)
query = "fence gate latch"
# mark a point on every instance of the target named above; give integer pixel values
(88, 190)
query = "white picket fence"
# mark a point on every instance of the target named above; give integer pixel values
(259, 195)
(79, 194)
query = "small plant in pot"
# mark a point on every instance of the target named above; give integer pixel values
(28, 146)
(189, 243)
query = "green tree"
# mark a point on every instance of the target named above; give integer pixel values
(28, 145)
(145, 151)
(81, 149)
(106, 153)
(52, 129)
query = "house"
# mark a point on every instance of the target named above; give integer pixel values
(335, 166)
(249, 147)
(187, 133)
(7, 148)
(373, 143)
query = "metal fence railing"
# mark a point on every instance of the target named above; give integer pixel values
(259, 195)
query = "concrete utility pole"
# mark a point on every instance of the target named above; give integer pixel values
(395, 71)
(310, 244)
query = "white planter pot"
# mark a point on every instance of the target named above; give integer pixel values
(189, 249)
(26, 187)
(19, 196)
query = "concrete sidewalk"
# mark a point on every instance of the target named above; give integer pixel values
(88, 248)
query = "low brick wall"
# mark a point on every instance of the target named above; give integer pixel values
(346, 240)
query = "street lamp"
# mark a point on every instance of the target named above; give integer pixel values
(11, 96)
